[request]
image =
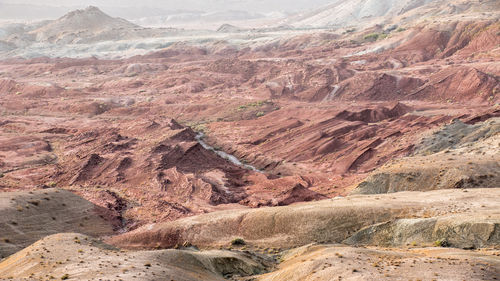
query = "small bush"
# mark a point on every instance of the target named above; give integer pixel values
(238, 241)
(441, 243)
(371, 37)
(65, 277)
(51, 184)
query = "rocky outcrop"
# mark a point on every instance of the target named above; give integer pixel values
(228, 28)
(461, 231)
(291, 190)
(164, 157)
(458, 134)
(458, 156)
(343, 140)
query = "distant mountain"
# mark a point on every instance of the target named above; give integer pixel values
(359, 13)
(82, 32)
(90, 22)
(228, 28)
(88, 25)
(31, 12)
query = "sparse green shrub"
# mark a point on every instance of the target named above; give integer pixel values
(65, 277)
(51, 184)
(254, 104)
(238, 242)
(441, 243)
(260, 114)
(382, 36)
(198, 127)
(371, 37)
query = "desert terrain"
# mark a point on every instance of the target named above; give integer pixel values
(356, 141)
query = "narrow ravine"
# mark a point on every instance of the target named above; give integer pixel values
(233, 159)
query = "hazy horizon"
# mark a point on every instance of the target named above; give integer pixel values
(17, 9)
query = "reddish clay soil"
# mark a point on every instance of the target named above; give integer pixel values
(315, 119)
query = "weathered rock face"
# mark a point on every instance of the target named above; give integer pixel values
(343, 140)
(157, 162)
(336, 220)
(458, 156)
(29, 216)
(458, 134)
(142, 170)
(280, 192)
(461, 231)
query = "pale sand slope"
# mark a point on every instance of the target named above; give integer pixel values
(29, 216)
(79, 257)
(326, 262)
(338, 219)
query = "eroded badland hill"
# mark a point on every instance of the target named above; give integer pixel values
(314, 151)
